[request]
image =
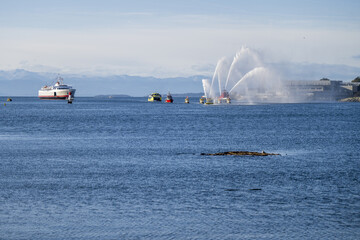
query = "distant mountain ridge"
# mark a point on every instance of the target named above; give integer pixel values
(20, 82)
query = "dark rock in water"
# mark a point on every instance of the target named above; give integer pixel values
(231, 189)
(240, 153)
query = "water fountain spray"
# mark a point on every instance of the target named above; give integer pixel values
(245, 77)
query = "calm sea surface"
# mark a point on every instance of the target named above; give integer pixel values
(129, 169)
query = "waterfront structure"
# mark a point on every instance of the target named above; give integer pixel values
(321, 90)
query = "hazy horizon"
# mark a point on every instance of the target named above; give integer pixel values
(25, 83)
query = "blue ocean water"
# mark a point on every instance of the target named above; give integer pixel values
(124, 168)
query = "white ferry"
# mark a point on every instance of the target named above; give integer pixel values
(58, 91)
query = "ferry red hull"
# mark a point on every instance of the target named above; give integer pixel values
(61, 97)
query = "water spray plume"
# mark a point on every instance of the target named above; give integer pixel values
(237, 55)
(244, 77)
(248, 75)
(206, 86)
(221, 66)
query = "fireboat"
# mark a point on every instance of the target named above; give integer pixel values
(224, 97)
(154, 97)
(169, 98)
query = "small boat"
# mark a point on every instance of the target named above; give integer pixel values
(187, 100)
(224, 97)
(209, 101)
(169, 98)
(58, 91)
(154, 97)
(9, 100)
(202, 100)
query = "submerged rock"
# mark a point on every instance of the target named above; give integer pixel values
(232, 189)
(240, 153)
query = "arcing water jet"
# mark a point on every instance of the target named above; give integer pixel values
(246, 78)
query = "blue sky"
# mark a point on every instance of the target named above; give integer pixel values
(173, 38)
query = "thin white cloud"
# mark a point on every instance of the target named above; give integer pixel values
(172, 44)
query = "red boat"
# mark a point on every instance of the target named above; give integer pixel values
(224, 94)
(169, 98)
(224, 97)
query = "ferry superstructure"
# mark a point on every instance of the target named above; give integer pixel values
(58, 91)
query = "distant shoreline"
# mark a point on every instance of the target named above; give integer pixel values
(351, 99)
(117, 95)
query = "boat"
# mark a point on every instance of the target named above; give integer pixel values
(169, 98)
(9, 100)
(154, 97)
(187, 100)
(224, 97)
(59, 91)
(209, 101)
(202, 100)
